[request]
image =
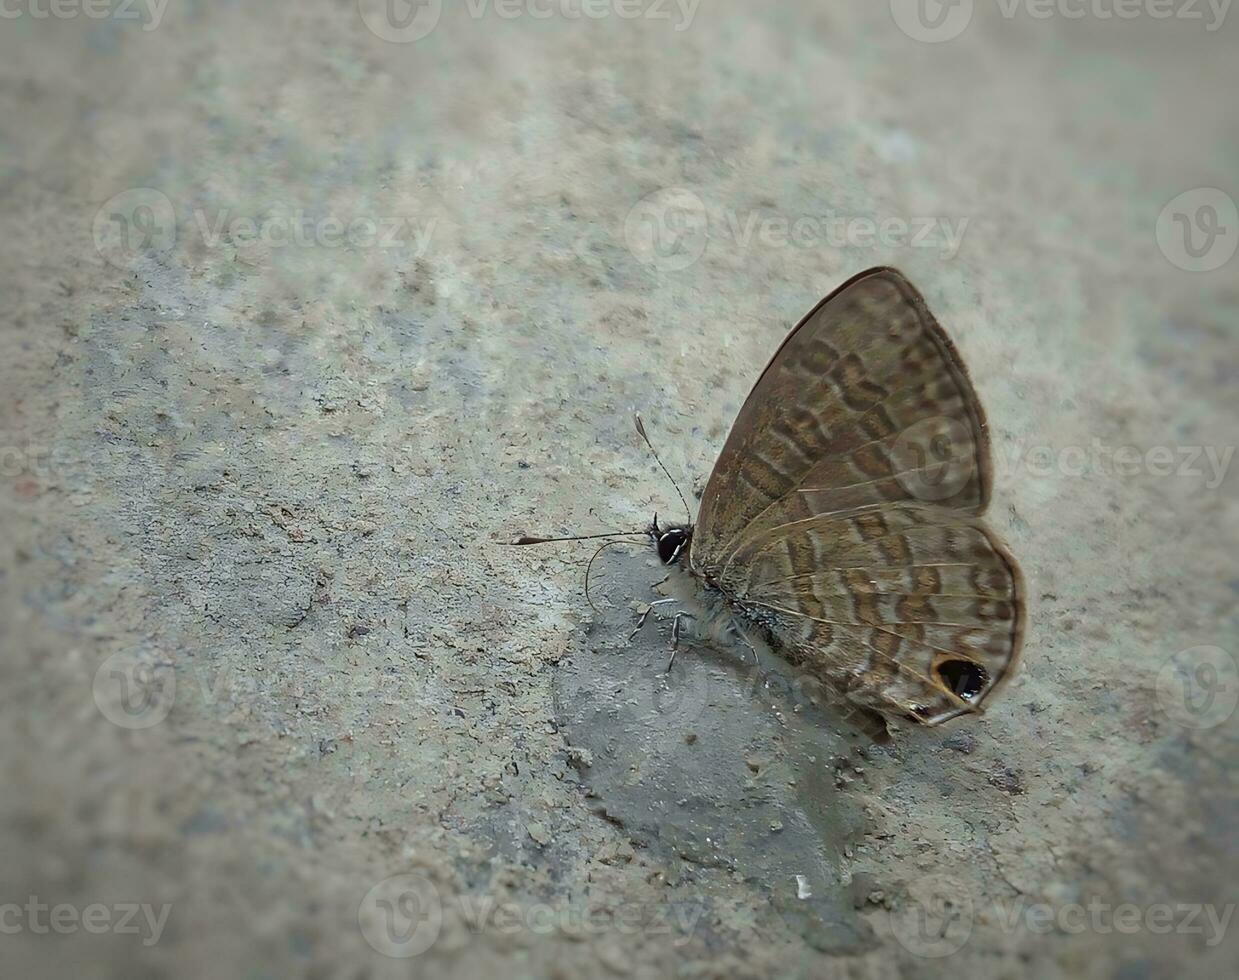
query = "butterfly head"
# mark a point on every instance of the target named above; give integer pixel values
(672, 542)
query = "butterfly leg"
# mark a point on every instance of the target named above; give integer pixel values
(744, 638)
(675, 636)
(646, 615)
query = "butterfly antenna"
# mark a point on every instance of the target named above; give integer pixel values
(641, 433)
(529, 539)
(589, 566)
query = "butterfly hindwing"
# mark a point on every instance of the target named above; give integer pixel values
(924, 621)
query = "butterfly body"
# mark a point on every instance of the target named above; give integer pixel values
(842, 518)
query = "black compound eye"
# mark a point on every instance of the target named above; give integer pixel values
(963, 677)
(671, 546)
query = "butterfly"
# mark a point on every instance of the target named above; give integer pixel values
(843, 518)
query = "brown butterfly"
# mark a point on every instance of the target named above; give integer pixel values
(843, 517)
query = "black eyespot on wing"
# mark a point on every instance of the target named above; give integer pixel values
(965, 678)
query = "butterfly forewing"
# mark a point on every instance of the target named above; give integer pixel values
(865, 402)
(842, 512)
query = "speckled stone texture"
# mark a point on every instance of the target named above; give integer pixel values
(382, 304)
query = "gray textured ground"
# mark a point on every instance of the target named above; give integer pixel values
(267, 479)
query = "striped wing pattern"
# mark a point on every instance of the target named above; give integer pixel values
(843, 513)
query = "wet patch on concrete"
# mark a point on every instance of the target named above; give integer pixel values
(720, 763)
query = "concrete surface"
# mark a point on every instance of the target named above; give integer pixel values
(275, 702)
